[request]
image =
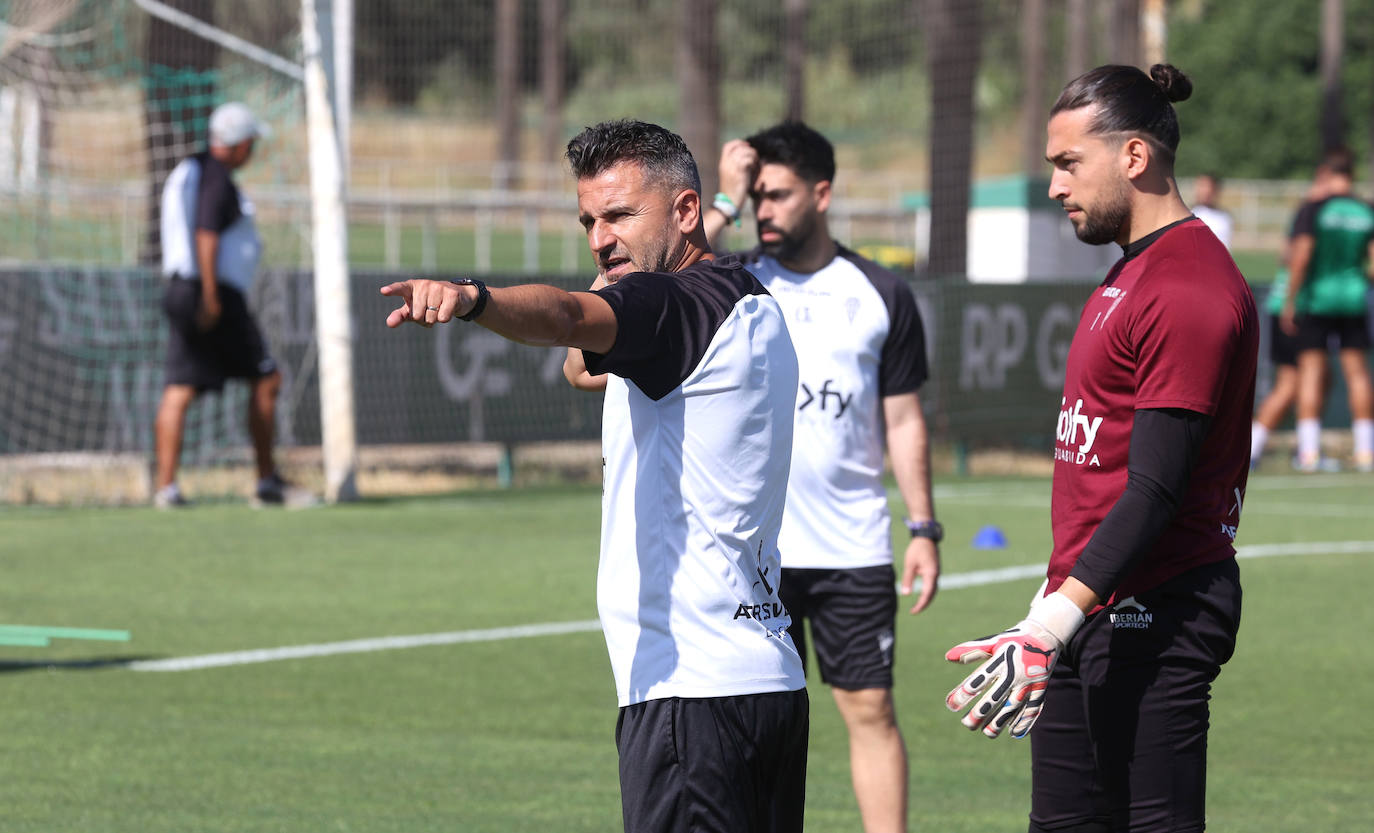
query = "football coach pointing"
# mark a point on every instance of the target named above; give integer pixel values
(697, 437)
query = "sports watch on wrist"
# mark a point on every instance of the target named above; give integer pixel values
(482, 295)
(925, 529)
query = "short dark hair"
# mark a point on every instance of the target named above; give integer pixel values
(796, 146)
(666, 161)
(1339, 160)
(1129, 101)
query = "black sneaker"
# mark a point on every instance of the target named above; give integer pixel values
(273, 490)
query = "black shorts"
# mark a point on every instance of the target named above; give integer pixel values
(1322, 332)
(853, 618)
(234, 349)
(714, 764)
(1283, 348)
(1122, 741)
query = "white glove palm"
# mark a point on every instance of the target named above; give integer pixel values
(1016, 667)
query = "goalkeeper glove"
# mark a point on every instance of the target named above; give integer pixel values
(1016, 667)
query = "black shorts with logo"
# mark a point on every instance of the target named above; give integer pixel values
(1283, 348)
(1322, 332)
(234, 349)
(853, 617)
(714, 764)
(1122, 741)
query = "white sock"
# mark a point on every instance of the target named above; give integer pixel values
(1309, 439)
(1259, 435)
(1364, 435)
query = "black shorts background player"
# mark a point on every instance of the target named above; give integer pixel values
(1110, 671)
(210, 252)
(861, 350)
(1327, 304)
(1283, 346)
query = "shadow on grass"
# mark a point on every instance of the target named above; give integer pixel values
(10, 666)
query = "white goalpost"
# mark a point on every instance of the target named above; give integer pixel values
(333, 316)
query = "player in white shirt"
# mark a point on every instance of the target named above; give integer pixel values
(1205, 189)
(697, 435)
(861, 349)
(210, 252)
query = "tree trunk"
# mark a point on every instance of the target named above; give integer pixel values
(1123, 32)
(953, 36)
(698, 77)
(1079, 54)
(553, 23)
(179, 93)
(794, 58)
(1333, 44)
(507, 70)
(1154, 35)
(1033, 111)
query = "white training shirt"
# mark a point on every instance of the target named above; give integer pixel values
(1217, 220)
(199, 194)
(859, 338)
(697, 435)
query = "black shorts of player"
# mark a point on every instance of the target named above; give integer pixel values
(234, 349)
(1322, 332)
(1283, 348)
(714, 764)
(1122, 741)
(853, 618)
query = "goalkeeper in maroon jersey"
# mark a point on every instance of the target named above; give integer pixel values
(1110, 671)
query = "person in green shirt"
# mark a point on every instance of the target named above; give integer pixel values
(1283, 348)
(1327, 304)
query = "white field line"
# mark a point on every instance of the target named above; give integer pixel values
(976, 578)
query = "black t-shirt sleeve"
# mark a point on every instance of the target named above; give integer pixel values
(902, 368)
(665, 323)
(1165, 443)
(217, 198)
(1306, 220)
(902, 365)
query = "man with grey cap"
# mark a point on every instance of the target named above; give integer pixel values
(210, 251)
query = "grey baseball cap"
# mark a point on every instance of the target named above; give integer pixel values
(233, 122)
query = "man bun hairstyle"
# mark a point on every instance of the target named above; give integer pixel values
(1131, 103)
(661, 153)
(794, 145)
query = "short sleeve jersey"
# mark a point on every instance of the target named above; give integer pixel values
(1335, 283)
(1174, 325)
(697, 435)
(200, 194)
(859, 338)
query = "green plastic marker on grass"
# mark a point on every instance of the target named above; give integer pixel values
(40, 636)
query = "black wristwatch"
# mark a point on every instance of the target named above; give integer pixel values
(925, 529)
(482, 295)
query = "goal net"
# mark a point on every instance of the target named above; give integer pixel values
(99, 100)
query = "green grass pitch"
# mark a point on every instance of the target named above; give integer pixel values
(516, 734)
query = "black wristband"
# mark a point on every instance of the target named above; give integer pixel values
(925, 529)
(482, 295)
